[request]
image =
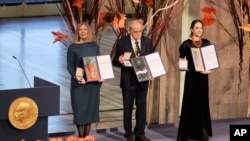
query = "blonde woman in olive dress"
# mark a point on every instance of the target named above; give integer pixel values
(85, 96)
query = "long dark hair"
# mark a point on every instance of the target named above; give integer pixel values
(193, 23)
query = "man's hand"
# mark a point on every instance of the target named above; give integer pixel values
(121, 59)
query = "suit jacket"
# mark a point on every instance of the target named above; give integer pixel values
(128, 76)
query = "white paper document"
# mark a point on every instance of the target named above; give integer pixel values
(183, 64)
(210, 57)
(155, 64)
(205, 58)
(148, 66)
(105, 66)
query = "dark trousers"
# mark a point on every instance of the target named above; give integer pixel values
(138, 96)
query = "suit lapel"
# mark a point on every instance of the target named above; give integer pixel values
(143, 45)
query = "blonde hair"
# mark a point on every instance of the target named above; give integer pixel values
(90, 36)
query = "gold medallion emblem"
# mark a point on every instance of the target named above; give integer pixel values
(23, 113)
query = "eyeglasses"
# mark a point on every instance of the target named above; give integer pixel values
(139, 31)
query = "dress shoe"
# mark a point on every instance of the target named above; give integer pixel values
(131, 138)
(204, 135)
(141, 138)
(204, 138)
(183, 138)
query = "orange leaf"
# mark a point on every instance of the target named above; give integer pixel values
(80, 139)
(122, 16)
(121, 23)
(71, 138)
(100, 21)
(90, 138)
(78, 3)
(53, 139)
(59, 36)
(136, 1)
(60, 139)
(115, 22)
(246, 27)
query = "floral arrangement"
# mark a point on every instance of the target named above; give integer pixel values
(71, 138)
(156, 16)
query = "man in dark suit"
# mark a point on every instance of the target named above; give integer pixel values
(132, 90)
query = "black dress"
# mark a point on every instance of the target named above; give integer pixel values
(85, 98)
(195, 120)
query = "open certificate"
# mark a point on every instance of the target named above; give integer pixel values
(105, 65)
(155, 64)
(148, 66)
(97, 67)
(205, 58)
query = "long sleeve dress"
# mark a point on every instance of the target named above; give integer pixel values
(195, 113)
(85, 99)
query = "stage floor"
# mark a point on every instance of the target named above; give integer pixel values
(113, 131)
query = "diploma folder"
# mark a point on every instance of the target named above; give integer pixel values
(148, 66)
(205, 58)
(97, 67)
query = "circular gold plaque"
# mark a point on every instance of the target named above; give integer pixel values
(23, 113)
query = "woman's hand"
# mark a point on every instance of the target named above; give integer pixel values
(101, 80)
(80, 80)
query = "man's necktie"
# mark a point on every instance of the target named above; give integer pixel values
(137, 49)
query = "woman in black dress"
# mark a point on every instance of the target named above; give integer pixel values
(195, 120)
(84, 95)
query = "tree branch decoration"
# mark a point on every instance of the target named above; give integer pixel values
(239, 11)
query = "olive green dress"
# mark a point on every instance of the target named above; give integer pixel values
(85, 98)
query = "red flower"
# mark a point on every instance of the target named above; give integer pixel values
(208, 16)
(208, 20)
(78, 3)
(209, 10)
(59, 36)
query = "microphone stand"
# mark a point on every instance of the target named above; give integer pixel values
(22, 70)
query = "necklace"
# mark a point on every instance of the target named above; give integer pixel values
(197, 43)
